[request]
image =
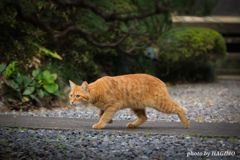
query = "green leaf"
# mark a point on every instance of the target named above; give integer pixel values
(26, 81)
(46, 94)
(46, 74)
(36, 74)
(54, 75)
(19, 78)
(52, 78)
(11, 100)
(13, 84)
(46, 51)
(11, 68)
(41, 4)
(123, 27)
(28, 90)
(35, 98)
(38, 86)
(51, 87)
(2, 67)
(40, 93)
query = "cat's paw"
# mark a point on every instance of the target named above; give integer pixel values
(186, 124)
(130, 125)
(111, 121)
(97, 126)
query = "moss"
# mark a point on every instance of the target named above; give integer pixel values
(191, 43)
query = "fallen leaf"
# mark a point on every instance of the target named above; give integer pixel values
(211, 101)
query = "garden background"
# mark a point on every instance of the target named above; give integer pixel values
(44, 44)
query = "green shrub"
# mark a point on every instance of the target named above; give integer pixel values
(187, 54)
(191, 44)
(22, 88)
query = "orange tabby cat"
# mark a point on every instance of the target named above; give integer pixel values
(134, 91)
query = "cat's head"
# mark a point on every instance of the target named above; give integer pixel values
(79, 94)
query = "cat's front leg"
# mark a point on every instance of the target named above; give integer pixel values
(106, 117)
(100, 113)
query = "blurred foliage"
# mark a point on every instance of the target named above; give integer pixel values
(197, 7)
(121, 64)
(84, 40)
(182, 54)
(16, 35)
(38, 28)
(44, 51)
(196, 44)
(187, 53)
(21, 87)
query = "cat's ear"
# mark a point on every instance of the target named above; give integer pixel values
(72, 85)
(85, 86)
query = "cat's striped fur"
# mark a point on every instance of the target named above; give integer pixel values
(134, 91)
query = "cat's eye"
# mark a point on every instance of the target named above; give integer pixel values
(71, 95)
(77, 96)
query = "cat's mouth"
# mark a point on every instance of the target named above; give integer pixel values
(76, 104)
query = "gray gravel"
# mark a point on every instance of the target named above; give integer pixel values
(214, 102)
(56, 144)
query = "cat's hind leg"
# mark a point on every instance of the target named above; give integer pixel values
(181, 112)
(174, 108)
(100, 113)
(182, 115)
(141, 114)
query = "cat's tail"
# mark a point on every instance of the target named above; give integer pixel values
(185, 111)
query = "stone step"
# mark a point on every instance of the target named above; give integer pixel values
(233, 55)
(232, 40)
(228, 71)
(228, 77)
(222, 24)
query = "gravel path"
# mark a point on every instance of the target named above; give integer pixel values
(54, 144)
(214, 102)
